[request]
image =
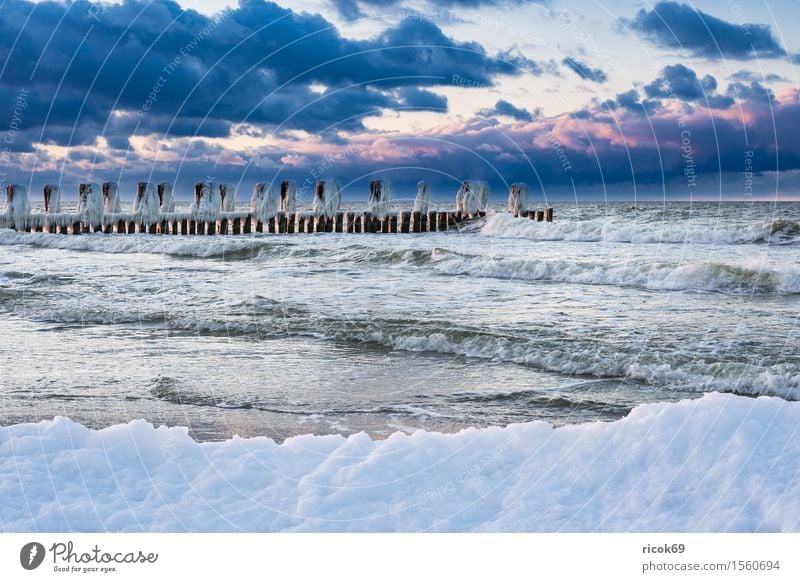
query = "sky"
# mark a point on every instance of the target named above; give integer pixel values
(580, 99)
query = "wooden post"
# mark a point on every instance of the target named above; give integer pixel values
(431, 221)
(223, 226)
(404, 219)
(247, 227)
(338, 224)
(108, 228)
(237, 226)
(291, 223)
(271, 225)
(549, 214)
(392, 223)
(211, 228)
(259, 226)
(76, 228)
(415, 222)
(539, 215)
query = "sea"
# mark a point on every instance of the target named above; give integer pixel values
(503, 321)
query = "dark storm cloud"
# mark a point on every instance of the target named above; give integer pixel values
(185, 73)
(680, 26)
(503, 107)
(421, 99)
(681, 82)
(584, 71)
(750, 76)
(352, 9)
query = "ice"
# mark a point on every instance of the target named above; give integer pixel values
(52, 199)
(227, 194)
(422, 201)
(17, 207)
(264, 202)
(472, 197)
(518, 198)
(288, 201)
(380, 198)
(327, 198)
(146, 205)
(111, 201)
(90, 204)
(167, 203)
(207, 202)
(718, 463)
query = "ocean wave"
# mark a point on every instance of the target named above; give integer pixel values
(777, 231)
(697, 276)
(228, 248)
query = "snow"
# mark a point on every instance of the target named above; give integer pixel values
(719, 463)
(380, 198)
(422, 201)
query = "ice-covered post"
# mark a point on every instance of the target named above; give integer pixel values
(227, 193)
(165, 200)
(18, 207)
(380, 198)
(146, 206)
(111, 201)
(52, 199)
(327, 200)
(263, 204)
(472, 197)
(422, 201)
(206, 206)
(288, 202)
(90, 206)
(518, 199)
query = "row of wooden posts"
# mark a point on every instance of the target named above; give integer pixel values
(213, 210)
(290, 223)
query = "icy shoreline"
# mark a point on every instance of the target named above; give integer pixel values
(719, 463)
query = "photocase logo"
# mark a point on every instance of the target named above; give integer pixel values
(31, 555)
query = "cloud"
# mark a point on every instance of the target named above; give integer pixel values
(750, 76)
(584, 71)
(353, 9)
(680, 26)
(680, 82)
(504, 108)
(154, 67)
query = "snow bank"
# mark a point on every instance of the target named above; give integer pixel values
(720, 463)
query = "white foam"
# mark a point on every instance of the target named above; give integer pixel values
(666, 232)
(719, 463)
(659, 276)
